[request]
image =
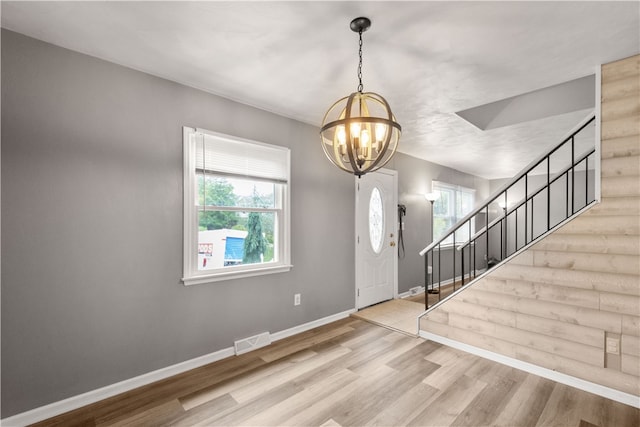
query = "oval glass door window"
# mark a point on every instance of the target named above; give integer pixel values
(376, 220)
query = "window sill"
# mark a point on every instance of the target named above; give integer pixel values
(230, 275)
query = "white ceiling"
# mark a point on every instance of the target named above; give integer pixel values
(428, 59)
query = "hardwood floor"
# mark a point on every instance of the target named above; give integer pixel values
(354, 373)
(398, 314)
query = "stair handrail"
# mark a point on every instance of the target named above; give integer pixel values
(519, 204)
(496, 194)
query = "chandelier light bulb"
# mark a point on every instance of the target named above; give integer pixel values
(342, 135)
(355, 130)
(381, 130)
(364, 138)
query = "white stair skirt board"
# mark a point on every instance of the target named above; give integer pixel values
(600, 390)
(75, 402)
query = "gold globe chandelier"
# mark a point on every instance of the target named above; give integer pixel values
(359, 132)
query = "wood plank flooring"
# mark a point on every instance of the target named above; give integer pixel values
(354, 373)
(398, 314)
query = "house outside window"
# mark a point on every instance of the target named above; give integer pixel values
(236, 207)
(453, 204)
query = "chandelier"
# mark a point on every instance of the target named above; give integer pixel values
(359, 132)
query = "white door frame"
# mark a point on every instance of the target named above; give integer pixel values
(393, 198)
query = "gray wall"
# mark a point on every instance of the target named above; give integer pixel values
(92, 227)
(414, 180)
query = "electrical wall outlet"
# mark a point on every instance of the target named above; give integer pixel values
(613, 345)
(296, 299)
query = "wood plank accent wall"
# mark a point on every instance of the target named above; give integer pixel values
(555, 303)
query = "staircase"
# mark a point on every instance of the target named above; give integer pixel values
(567, 298)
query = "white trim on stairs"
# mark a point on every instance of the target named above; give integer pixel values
(56, 408)
(600, 390)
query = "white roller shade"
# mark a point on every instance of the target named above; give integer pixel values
(215, 153)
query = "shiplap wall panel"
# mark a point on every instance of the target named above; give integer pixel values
(607, 225)
(623, 186)
(630, 345)
(616, 71)
(598, 244)
(495, 315)
(606, 282)
(631, 365)
(572, 350)
(626, 304)
(553, 293)
(625, 264)
(619, 88)
(620, 108)
(616, 205)
(525, 258)
(563, 312)
(607, 377)
(619, 128)
(631, 325)
(553, 304)
(619, 166)
(581, 334)
(484, 341)
(621, 147)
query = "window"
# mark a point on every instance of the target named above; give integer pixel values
(454, 203)
(236, 207)
(376, 220)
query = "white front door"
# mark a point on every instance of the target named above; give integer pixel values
(376, 237)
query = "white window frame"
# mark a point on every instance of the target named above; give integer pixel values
(191, 274)
(437, 186)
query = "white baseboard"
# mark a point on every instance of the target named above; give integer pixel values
(600, 390)
(310, 325)
(411, 292)
(75, 402)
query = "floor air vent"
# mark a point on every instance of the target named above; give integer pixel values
(252, 343)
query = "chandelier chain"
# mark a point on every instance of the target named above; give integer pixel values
(360, 87)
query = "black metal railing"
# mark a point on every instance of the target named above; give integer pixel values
(544, 195)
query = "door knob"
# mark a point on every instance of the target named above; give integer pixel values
(392, 244)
